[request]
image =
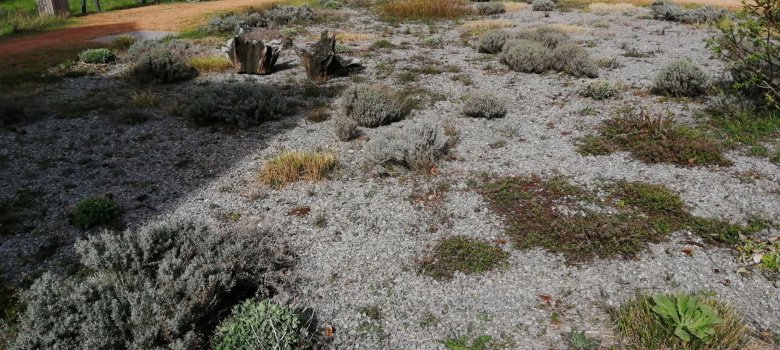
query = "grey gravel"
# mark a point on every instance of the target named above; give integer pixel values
(364, 255)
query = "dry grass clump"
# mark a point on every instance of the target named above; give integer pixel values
(291, 166)
(607, 8)
(482, 25)
(425, 9)
(210, 63)
(351, 37)
(512, 7)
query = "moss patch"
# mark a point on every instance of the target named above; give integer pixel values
(582, 226)
(654, 140)
(462, 254)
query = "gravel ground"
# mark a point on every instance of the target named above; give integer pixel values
(358, 245)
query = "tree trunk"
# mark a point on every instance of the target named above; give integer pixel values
(83, 7)
(53, 8)
(253, 57)
(322, 62)
(97, 6)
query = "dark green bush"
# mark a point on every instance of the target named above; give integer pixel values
(95, 211)
(750, 45)
(163, 286)
(163, 67)
(101, 55)
(241, 104)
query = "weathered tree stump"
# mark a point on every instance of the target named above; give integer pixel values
(321, 61)
(252, 56)
(53, 8)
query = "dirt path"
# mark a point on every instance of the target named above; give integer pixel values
(162, 17)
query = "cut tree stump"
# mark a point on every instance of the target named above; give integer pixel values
(322, 62)
(252, 56)
(53, 8)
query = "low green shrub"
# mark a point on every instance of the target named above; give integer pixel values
(433, 40)
(163, 286)
(492, 41)
(240, 104)
(549, 36)
(94, 211)
(574, 60)
(489, 8)
(101, 55)
(484, 105)
(372, 105)
(162, 67)
(123, 42)
(680, 78)
(261, 324)
(526, 56)
(599, 89)
(543, 5)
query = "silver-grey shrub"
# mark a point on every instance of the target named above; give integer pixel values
(232, 22)
(666, 10)
(161, 286)
(143, 47)
(543, 5)
(345, 128)
(526, 56)
(492, 41)
(372, 105)
(241, 104)
(484, 105)
(417, 146)
(489, 8)
(574, 60)
(680, 78)
(669, 11)
(549, 36)
(599, 89)
(283, 15)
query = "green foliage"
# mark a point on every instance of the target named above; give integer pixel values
(750, 45)
(162, 66)
(687, 315)
(462, 343)
(580, 341)
(260, 325)
(599, 89)
(161, 286)
(382, 44)
(492, 41)
(680, 78)
(19, 21)
(665, 321)
(94, 211)
(462, 254)
(489, 8)
(433, 41)
(101, 55)
(372, 105)
(123, 42)
(526, 56)
(543, 5)
(765, 253)
(574, 60)
(484, 105)
(240, 104)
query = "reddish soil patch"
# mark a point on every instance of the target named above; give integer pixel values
(162, 17)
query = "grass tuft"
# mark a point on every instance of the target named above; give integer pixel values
(640, 328)
(291, 167)
(207, 64)
(424, 9)
(463, 254)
